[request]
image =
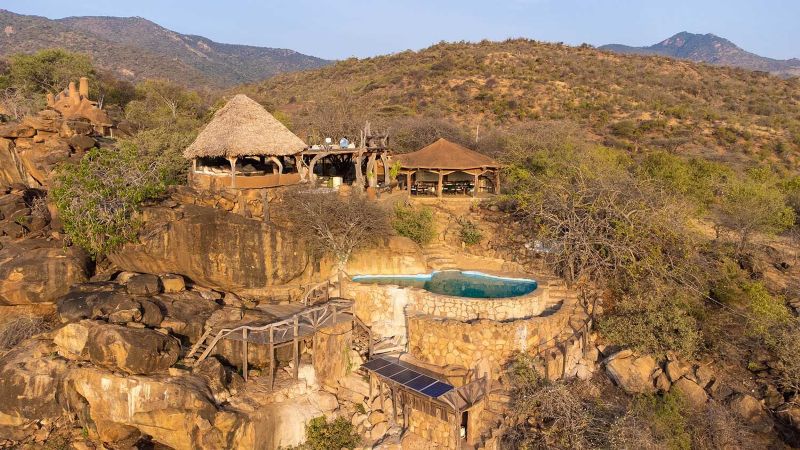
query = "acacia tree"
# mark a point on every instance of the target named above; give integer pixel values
(48, 70)
(754, 204)
(335, 225)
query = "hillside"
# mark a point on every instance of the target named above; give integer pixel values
(626, 101)
(711, 49)
(135, 48)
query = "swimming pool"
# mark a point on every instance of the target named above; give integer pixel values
(457, 283)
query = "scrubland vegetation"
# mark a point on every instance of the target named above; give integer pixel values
(662, 183)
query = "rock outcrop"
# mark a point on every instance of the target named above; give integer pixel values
(131, 350)
(633, 373)
(39, 271)
(215, 248)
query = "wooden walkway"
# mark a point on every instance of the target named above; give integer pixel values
(275, 334)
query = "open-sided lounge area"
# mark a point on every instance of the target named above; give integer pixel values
(445, 168)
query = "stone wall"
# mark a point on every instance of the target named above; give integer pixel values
(434, 430)
(442, 341)
(384, 307)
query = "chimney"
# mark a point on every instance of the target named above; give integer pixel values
(84, 87)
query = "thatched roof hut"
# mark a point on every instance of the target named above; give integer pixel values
(244, 128)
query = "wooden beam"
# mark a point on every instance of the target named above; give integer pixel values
(244, 353)
(295, 348)
(271, 357)
(277, 163)
(233, 171)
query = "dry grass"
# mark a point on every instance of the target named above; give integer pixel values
(16, 330)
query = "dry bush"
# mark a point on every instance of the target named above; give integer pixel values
(16, 330)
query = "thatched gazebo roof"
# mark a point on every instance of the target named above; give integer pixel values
(445, 155)
(243, 127)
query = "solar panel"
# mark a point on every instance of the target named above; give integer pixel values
(418, 384)
(405, 374)
(375, 364)
(390, 369)
(437, 389)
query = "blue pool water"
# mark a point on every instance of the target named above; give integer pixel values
(457, 283)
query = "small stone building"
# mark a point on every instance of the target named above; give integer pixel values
(244, 147)
(447, 168)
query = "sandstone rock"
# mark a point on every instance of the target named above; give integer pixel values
(81, 143)
(789, 413)
(176, 413)
(632, 373)
(12, 230)
(694, 394)
(143, 284)
(134, 351)
(378, 431)
(675, 370)
(377, 417)
(396, 255)
(185, 313)
(705, 376)
(16, 130)
(151, 313)
(124, 277)
(232, 252)
(173, 283)
(217, 377)
(324, 401)
(662, 383)
(30, 386)
(71, 339)
(751, 411)
(38, 271)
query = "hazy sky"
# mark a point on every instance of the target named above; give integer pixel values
(342, 28)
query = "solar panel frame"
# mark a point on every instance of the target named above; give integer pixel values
(405, 375)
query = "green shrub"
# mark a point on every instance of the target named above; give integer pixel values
(470, 233)
(767, 311)
(416, 224)
(324, 435)
(98, 198)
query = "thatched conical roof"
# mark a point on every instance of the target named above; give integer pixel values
(445, 155)
(243, 127)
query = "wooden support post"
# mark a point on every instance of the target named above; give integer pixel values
(271, 357)
(475, 189)
(295, 332)
(458, 428)
(394, 406)
(380, 392)
(370, 347)
(357, 162)
(387, 179)
(372, 171)
(233, 171)
(408, 181)
(244, 353)
(440, 185)
(496, 181)
(278, 165)
(371, 383)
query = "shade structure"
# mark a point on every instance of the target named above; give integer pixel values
(445, 155)
(244, 128)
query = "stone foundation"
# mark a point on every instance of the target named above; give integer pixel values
(437, 432)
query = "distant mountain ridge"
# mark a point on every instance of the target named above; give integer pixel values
(711, 49)
(135, 48)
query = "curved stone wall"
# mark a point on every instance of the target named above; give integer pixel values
(443, 341)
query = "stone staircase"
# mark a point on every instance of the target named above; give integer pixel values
(439, 257)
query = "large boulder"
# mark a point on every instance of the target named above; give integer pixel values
(11, 169)
(750, 410)
(37, 271)
(176, 412)
(634, 374)
(72, 339)
(131, 350)
(30, 386)
(215, 248)
(691, 392)
(185, 313)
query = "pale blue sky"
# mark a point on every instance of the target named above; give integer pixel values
(342, 28)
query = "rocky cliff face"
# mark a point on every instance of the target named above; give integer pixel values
(215, 248)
